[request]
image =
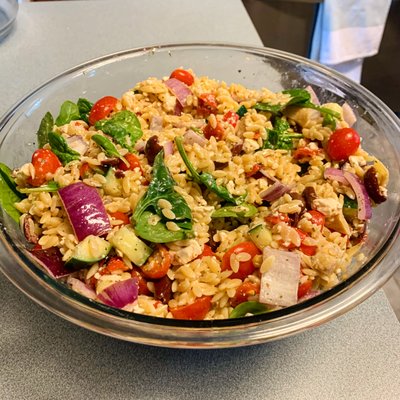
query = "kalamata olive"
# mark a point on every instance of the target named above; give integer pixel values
(110, 162)
(237, 149)
(119, 174)
(163, 289)
(219, 165)
(152, 149)
(309, 196)
(372, 186)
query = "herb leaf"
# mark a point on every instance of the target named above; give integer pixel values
(60, 148)
(124, 127)
(279, 137)
(8, 198)
(46, 126)
(108, 146)
(69, 112)
(243, 211)
(206, 178)
(162, 187)
(252, 307)
(84, 107)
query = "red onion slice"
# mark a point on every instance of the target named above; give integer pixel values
(51, 260)
(140, 146)
(335, 174)
(178, 108)
(178, 89)
(168, 148)
(275, 191)
(81, 288)
(363, 201)
(191, 137)
(85, 210)
(156, 123)
(348, 115)
(314, 98)
(121, 293)
(78, 144)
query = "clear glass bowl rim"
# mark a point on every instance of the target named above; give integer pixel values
(199, 334)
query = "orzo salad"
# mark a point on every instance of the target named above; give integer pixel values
(189, 198)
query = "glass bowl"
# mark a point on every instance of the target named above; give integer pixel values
(254, 68)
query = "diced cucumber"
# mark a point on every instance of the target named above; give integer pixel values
(112, 186)
(126, 241)
(261, 236)
(88, 251)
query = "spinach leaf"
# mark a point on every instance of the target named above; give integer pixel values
(108, 146)
(84, 107)
(51, 186)
(124, 127)
(241, 111)
(298, 97)
(279, 137)
(60, 148)
(46, 126)
(206, 178)
(252, 307)
(69, 112)
(243, 211)
(7, 200)
(5, 173)
(162, 187)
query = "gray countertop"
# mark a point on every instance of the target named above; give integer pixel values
(42, 356)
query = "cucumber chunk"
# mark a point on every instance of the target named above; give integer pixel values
(261, 236)
(90, 250)
(112, 186)
(126, 241)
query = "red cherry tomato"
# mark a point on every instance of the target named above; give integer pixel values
(304, 152)
(120, 216)
(218, 132)
(231, 118)
(207, 252)
(245, 267)
(84, 170)
(304, 248)
(244, 291)
(254, 170)
(317, 218)
(158, 263)
(143, 289)
(133, 163)
(102, 109)
(44, 162)
(275, 219)
(342, 144)
(207, 105)
(304, 288)
(114, 264)
(183, 76)
(195, 311)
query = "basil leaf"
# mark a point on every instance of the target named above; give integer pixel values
(49, 187)
(69, 112)
(60, 148)
(243, 211)
(279, 137)
(298, 96)
(46, 126)
(162, 187)
(109, 148)
(84, 107)
(7, 200)
(272, 108)
(248, 307)
(5, 173)
(124, 127)
(206, 178)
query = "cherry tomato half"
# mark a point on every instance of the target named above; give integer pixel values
(44, 162)
(231, 118)
(143, 289)
(120, 216)
(275, 219)
(207, 105)
(158, 263)
(182, 75)
(115, 264)
(218, 132)
(304, 248)
(244, 291)
(195, 311)
(133, 161)
(207, 252)
(342, 144)
(245, 267)
(304, 288)
(317, 218)
(102, 109)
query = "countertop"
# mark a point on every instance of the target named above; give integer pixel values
(42, 356)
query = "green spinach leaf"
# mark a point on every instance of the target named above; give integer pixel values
(243, 211)
(108, 147)
(124, 127)
(5, 173)
(69, 112)
(51, 186)
(7, 200)
(162, 187)
(280, 137)
(84, 107)
(206, 178)
(60, 148)
(46, 126)
(248, 307)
